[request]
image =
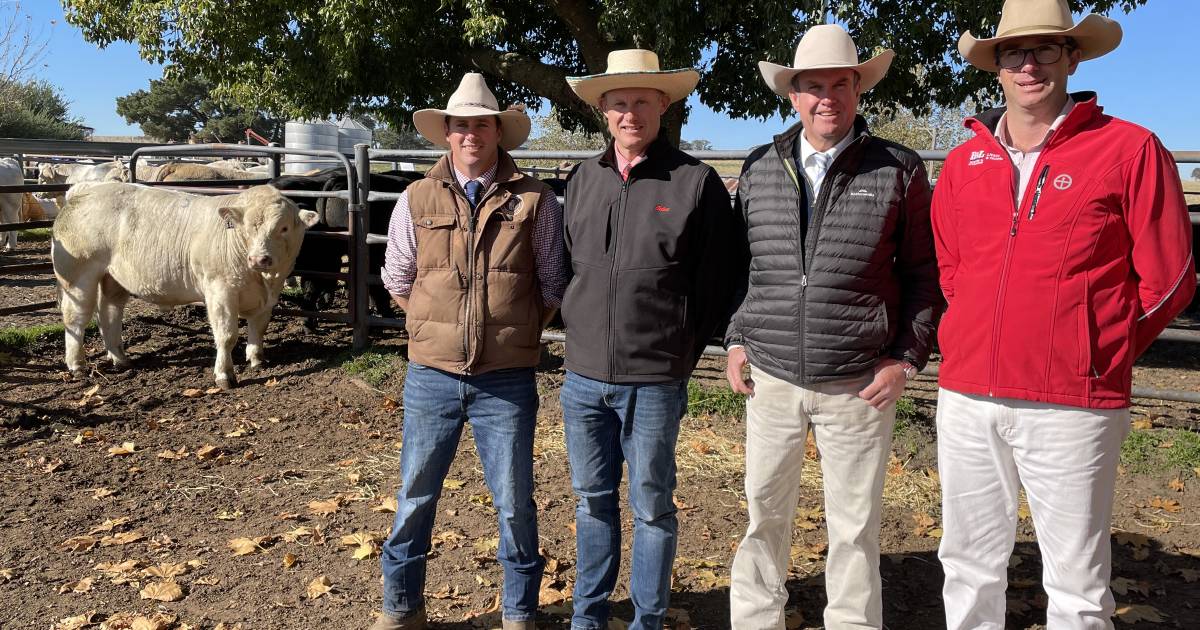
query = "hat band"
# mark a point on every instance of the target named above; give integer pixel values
(479, 105)
(1040, 28)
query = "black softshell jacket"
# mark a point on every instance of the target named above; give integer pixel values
(651, 264)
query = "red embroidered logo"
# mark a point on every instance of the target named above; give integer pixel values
(661, 208)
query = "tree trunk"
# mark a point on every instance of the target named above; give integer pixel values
(672, 122)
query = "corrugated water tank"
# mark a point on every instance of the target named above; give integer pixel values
(350, 133)
(309, 135)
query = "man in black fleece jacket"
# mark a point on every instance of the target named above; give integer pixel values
(647, 231)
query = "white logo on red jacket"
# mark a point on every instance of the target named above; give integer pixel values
(1062, 182)
(977, 157)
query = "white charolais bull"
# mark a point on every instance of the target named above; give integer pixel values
(11, 174)
(232, 252)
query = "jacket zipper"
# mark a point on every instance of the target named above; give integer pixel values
(1001, 290)
(472, 221)
(791, 171)
(612, 277)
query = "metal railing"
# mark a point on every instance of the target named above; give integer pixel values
(359, 195)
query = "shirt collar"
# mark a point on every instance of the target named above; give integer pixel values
(807, 150)
(1006, 140)
(621, 161)
(484, 180)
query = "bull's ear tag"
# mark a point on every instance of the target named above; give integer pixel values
(229, 215)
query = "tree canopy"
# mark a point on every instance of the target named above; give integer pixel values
(316, 57)
(35, 109)
(178, 107)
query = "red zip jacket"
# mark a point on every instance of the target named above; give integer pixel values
(1053, 300)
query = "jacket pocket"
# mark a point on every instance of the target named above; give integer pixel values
(1084, 364)
(435, 241)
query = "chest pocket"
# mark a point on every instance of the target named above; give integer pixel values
(509, 236)
(1064, 194)
(435, 235)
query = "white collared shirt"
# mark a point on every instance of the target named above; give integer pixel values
(807, 151)
(1027, 160)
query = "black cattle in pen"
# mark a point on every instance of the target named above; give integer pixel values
(325, 254)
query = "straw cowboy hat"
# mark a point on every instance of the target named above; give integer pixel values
(1094, 35)
(635, 68)
(473, 98)
(824, 47)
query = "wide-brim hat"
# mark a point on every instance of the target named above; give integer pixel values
(1095, 35)
(826, 47)
(635, 68)
(473, 98)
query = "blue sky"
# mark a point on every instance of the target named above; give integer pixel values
(1146, 80)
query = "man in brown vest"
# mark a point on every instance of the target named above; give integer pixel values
(474, 257)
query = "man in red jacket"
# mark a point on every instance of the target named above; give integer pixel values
(1064, 249)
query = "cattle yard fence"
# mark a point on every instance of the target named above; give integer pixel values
(358, 196)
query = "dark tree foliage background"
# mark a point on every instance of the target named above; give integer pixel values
(316, 57)
(177, 108)
(36, 109)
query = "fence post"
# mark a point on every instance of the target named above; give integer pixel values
(360, 272)
(275, 159)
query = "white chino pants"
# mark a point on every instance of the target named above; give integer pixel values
(854, 440)
(1066, 458)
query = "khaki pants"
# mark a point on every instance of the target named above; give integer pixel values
(854, 440)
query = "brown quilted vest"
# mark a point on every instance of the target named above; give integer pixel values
(476, 304)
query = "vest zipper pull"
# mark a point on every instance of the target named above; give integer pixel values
(804, 280)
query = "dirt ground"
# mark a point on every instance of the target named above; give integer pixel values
(145, 493)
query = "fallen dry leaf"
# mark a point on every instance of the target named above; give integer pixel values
(212, 390)
(1134, 613)
(192, 392)
(324, 508)
(388, 504)
(109, 524)
(364, 543)
(166, 570)
(100, 493)
(296, 534)
(247, 546)
(157, 621)
(126, 448)
(178, 453)
(1176, 484)
(1142, 424)
(165, 591)
(51, 465)
(453, 484)
(208, 580)
(124, 538)
(289, 560)
(318, 587)
(1166, 505)
(207, 452)
(6, 574)
(271, 382)
(78, 543)
(1132, 539)
(75, 622)
(79, 586)
(1124, 586)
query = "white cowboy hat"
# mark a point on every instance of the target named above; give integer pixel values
(1094, 35)
(473, 98)
(635, 68)
(824, 47)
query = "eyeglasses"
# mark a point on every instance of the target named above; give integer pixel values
(1044, 54)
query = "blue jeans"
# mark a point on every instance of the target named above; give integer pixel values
(502, 408)
(607, 424)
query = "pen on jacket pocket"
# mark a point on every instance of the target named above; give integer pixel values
(1037, 191)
